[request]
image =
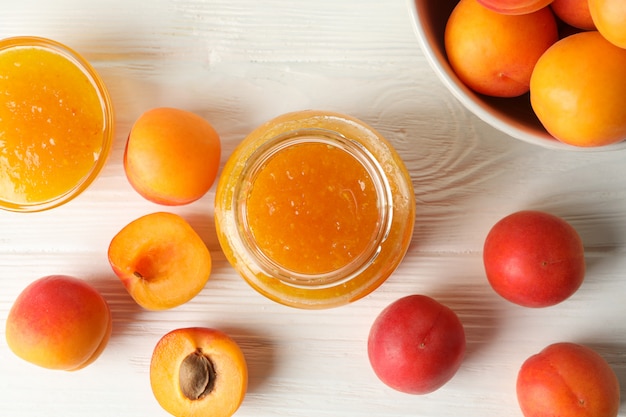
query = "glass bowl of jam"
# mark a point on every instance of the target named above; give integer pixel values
(56, 124)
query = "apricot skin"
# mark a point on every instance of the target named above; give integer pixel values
(574, 12)
(494, 54)
(227, 359)
(172, 156)
(577, 90)
(534, 259)
(515, 7)
(59, 322)
(416, 345)
(609, 17)
(567, 379)
(161, 260)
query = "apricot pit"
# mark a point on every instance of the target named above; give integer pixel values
(196, 376)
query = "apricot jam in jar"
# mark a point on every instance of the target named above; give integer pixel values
(56, 124)
(314, 209)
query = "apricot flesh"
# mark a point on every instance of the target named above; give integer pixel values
(172, 156)
(161, 260)
(577, 90)
(198, 371)
(494, 54)
(59, 322)
(567, 379)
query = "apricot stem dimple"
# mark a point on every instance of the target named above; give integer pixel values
(196, 375)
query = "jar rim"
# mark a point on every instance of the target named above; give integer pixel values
(380, 231)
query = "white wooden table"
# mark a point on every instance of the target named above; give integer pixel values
(239, 63)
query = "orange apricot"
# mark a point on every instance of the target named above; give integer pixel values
(198, 372)
(493, 53)
(172, 156)
(161, 260)
(609, 17)
(577, 90)
(59, 322)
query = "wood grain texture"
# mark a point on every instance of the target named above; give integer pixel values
(239, 63)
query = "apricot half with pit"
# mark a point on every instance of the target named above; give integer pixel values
(161, 260)
(198, 371)
(59, 322)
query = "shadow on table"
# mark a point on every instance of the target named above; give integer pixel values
(479, 311)
(123, 308)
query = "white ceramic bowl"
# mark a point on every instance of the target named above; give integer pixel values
(513, 116)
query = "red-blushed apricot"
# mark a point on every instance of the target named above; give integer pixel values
(59, 322)
(161, 260)
(515, 7)
(416, 344)
(172, 156)
(197, 372)
(577, 90)
(494, 54)
(534, 259)
(574, 12)
(609, 17)
(567, 379)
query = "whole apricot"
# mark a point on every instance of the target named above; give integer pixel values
(609, 17)
(493, 53)
(197, 372)
(416, 344)
(515, 6)
(534, 259)
(172, 156)
(59, 322)
(577, 90)
(567, 379)
(575, 13)
(161, 260)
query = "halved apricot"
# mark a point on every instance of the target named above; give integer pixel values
(198, 371)
(161, 260)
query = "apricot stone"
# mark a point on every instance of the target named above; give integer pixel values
(198, 371)
(172, 156)
(161, 260)
(59, 322)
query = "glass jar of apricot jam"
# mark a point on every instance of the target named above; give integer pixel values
(314, 209)
(56, 124)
